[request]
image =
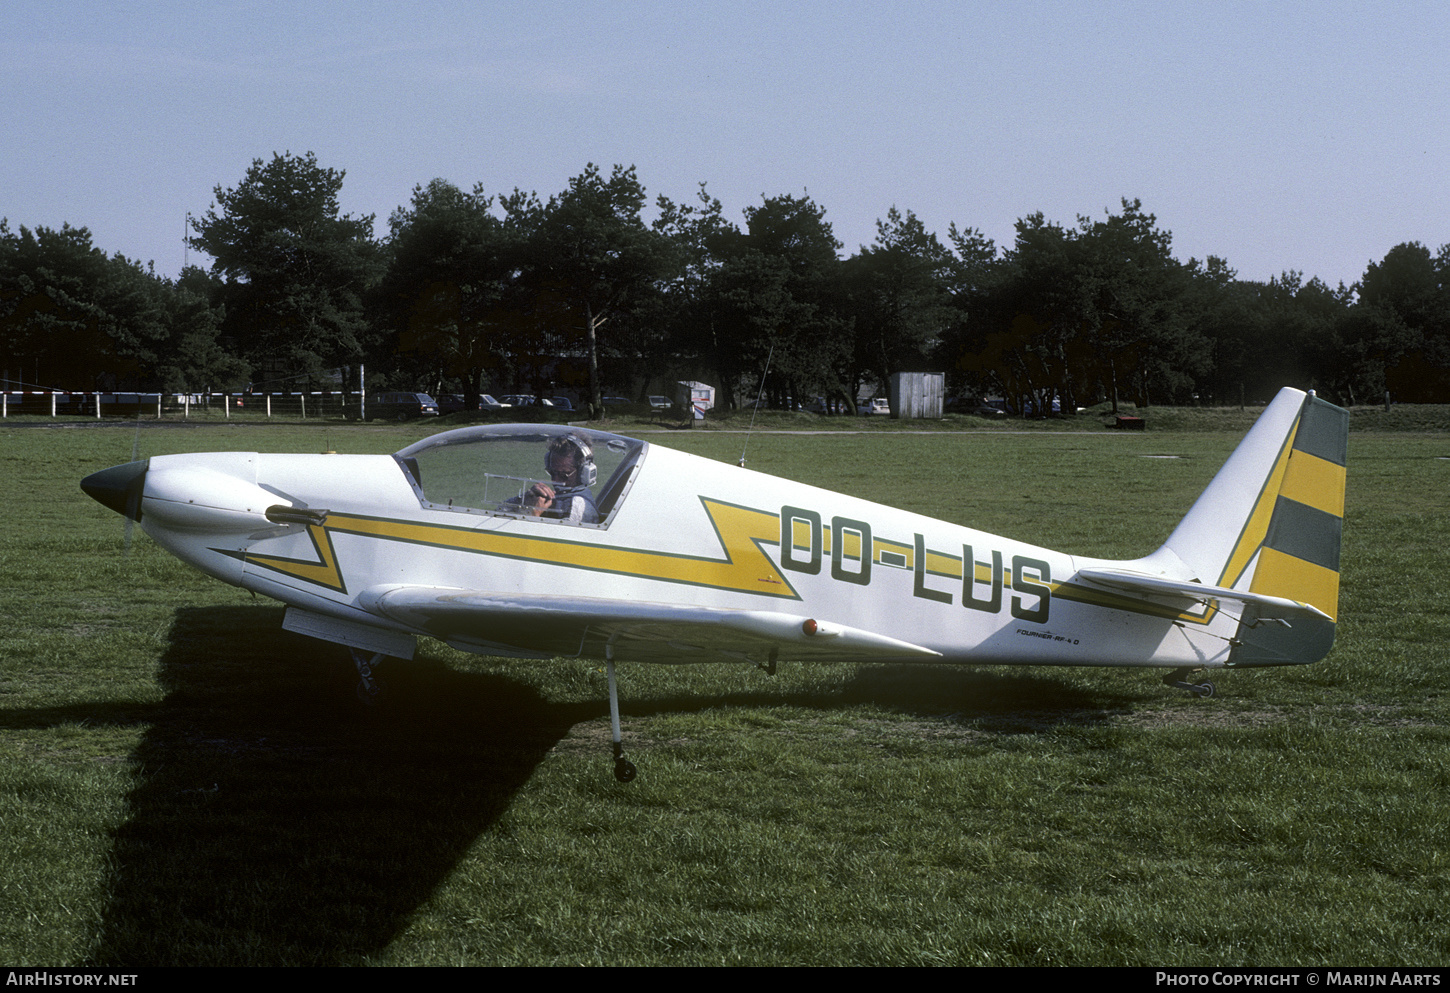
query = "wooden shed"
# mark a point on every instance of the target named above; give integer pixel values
(917, 395)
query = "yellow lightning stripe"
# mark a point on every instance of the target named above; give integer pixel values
(741, 531)
(323, 572)
(745, 568)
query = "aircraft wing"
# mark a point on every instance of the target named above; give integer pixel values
(540, 625)
(1269, 607)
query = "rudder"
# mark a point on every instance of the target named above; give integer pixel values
(1298, 556)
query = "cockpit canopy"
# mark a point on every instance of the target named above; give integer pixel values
(498, 469)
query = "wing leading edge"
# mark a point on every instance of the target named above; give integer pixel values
(539, 625)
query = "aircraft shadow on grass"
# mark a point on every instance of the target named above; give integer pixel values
(275, 820)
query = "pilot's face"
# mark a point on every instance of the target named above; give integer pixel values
(564, 468)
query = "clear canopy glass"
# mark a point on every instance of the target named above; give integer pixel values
(541, 472)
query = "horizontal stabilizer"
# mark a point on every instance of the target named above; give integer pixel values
(1269, 607)
(543, 625)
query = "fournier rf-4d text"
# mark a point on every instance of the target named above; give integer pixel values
(547, 541)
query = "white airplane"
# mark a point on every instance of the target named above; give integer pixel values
(546, 541)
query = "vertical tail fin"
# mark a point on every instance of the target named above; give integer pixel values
(1270, 523)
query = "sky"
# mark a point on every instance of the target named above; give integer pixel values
(1278, 136)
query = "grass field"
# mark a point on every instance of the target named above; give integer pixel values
(181, 782)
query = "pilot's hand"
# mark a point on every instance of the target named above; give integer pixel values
(539, 498)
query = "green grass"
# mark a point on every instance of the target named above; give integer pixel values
(181, 782)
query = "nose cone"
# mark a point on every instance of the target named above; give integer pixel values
(118, 487)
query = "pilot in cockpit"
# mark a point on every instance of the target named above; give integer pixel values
(569, 461)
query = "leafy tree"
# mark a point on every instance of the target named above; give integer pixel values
(750, 302)
(295, 268)
(1076, 313)
(1296, 328)
(1221, 309)
(780, 301)
(974, 261)
(590, 258)
(696, 235)
(1017, 323)
(50, 328)
(194, 355)
(900, 288)
(974, 267)
(1404, 320)
(72, 317)
(447, 293)
(1337, 363)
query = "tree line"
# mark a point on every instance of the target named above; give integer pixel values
(470, 290)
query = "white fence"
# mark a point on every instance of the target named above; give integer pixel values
(179, 406)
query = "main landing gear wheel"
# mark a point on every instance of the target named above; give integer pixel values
(624, 769)
(369, 687)
(1178, 679)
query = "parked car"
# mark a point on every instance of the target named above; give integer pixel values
(452, 403)
(660, 403)
(395, 407)
(563, 403)
(820, 405)
(973, 406)
(1031, 408)
(876, 405)
(524, 400)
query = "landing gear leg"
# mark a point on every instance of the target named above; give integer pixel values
(624, 769)
(1179, 678)
(369, 688)
(769, 666)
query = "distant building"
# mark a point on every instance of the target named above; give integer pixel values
(917, 395)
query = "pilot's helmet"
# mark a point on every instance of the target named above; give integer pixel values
(578, 451)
